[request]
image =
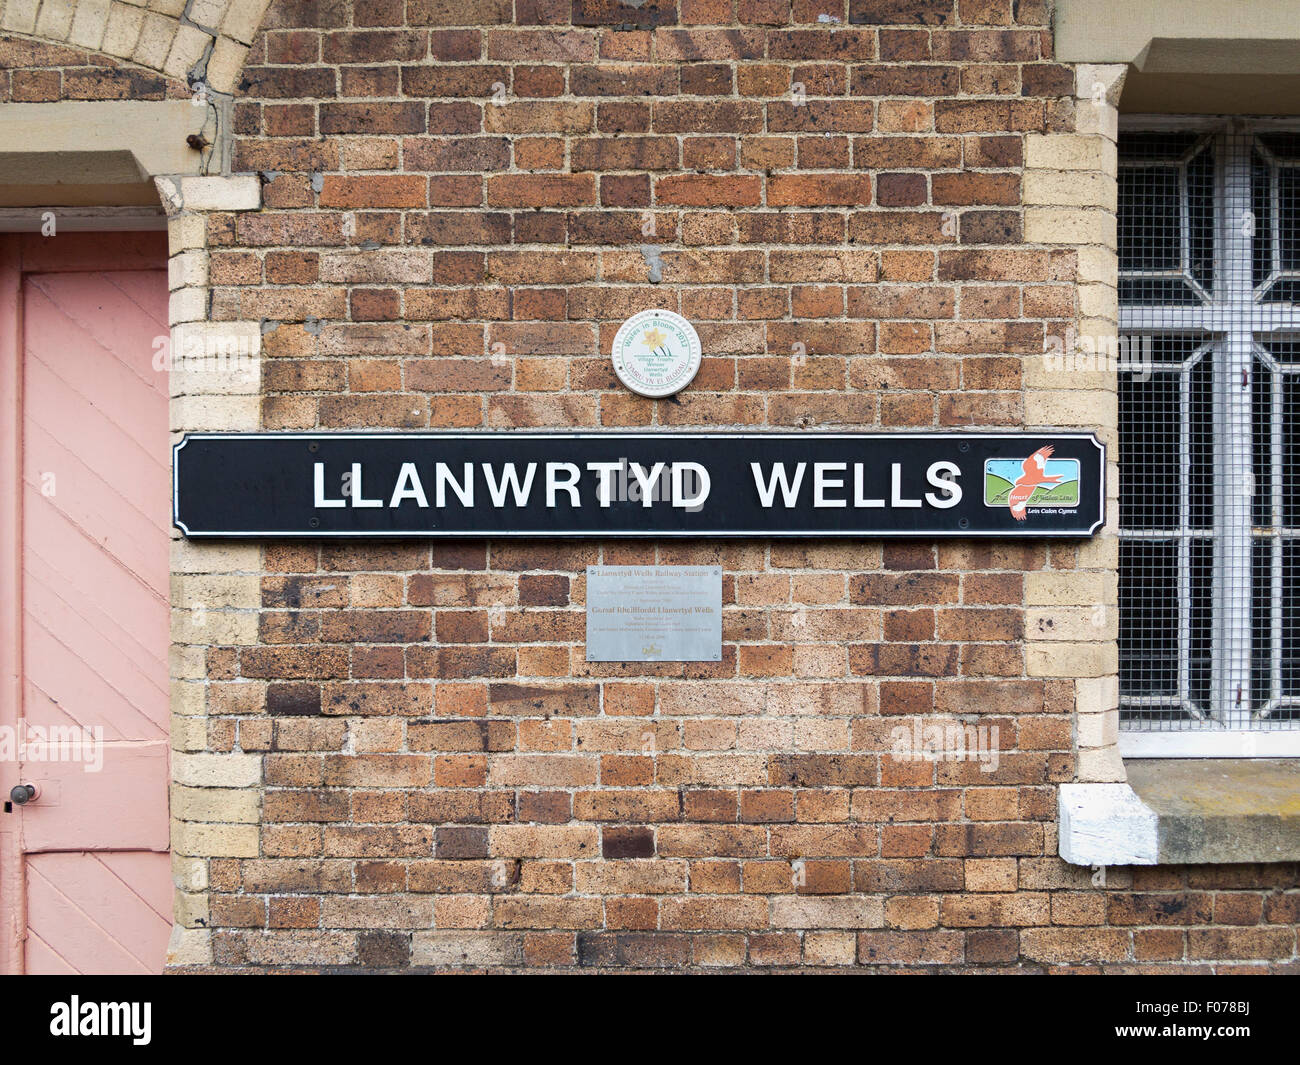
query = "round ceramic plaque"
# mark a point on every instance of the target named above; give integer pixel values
(656, 353)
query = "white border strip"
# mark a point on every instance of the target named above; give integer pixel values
(1212, 743)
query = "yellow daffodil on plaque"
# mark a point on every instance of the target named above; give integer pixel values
(656, 353)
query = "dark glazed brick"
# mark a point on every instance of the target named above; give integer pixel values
(902, 12)
(627, 843)
(624, 16)
(991, 227)
(461, 843)
(384, 950)
(293, 700)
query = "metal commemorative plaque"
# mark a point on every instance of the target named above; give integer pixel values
(656, 353)
(608, 484)
(654, 613)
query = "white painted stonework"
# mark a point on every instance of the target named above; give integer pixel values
(1106, 824)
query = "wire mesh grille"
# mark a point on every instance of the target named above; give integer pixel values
(1209, 391)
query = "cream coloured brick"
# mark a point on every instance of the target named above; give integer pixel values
(187, 49)
(1100, 82)
(186, 662)
(1098, 730)
(1099, 301)
(1063, 188)
(196, 624)
(155, 42)
(1098, 264)
(215, 841)
(1069, 225)
(189, 698)
(1100, 329)
(812, 911)
(1100, 765)
(190, 557)
(88, 23)
(215, 375)
(1100, 121)
(233, 338)
(123, 30)
(189, 874)
(829, 948)
(1050, 587)
(466, 948)
(1069, 151)
(217, 770)
(190, 910)
(174, 8)
(1112, 508)
(243, 17)
(376, 734)
(1098, 622)
(187, 305)
(370, 267)
(226, 64)
(187, 268)
(1102, 551)
(213, 413)
(215, 805)
(1072, 369)
(1070, 659)
(217, 591)
(224, 379)
(239, 192)
(55, 20)
(189, 732)
(1096, 695)
(186, 231)
(215, 358)
(169, 191)
(1082, 409)
(20, 15)
(189, 946)
(207, 13)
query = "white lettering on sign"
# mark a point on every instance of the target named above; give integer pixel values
(828, 481)
(684, 484)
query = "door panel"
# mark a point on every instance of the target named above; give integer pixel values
(97, 913)
(88, 546)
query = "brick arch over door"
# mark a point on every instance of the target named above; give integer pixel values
(211, 37)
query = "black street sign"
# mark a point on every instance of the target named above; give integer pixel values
(652, 484)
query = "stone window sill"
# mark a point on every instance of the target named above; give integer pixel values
(1185, 811)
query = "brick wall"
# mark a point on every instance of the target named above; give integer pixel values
(39, 72)
(398, 755)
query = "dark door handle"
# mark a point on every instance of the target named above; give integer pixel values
(22, 794)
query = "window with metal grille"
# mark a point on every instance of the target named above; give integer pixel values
(1209, 394)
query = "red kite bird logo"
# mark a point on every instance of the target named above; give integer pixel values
(1032, 474)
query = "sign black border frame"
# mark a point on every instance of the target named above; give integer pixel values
(533, 434)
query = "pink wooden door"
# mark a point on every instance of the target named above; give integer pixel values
(85, 883)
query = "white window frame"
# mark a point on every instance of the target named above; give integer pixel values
(1233, 537)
